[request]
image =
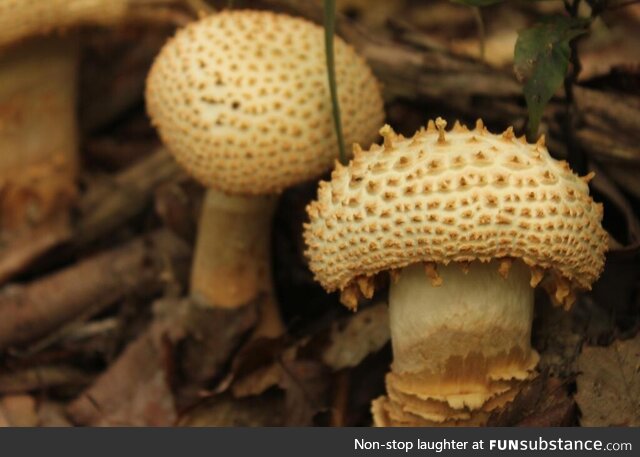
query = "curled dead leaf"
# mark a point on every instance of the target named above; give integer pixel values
(363, 333)
(609, 385)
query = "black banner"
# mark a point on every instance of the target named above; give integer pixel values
(321, 442)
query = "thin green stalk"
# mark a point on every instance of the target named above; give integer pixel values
(329, 30)
(577, 156)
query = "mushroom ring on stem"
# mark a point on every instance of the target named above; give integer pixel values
(241, 99)
(466, 223)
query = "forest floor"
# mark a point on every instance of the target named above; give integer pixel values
(97, 329)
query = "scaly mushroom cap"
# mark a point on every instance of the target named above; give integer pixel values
(241, 98)
(20, 19)
(456, 196)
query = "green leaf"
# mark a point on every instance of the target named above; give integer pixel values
(477, 2)
(541, 60)
(329, 30)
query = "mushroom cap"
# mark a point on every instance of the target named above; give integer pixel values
(21, 19)
(456, 196)
(242, 100)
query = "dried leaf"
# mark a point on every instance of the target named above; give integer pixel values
(304, 381)
(609, 386)
(134, 390)
(542, 402)
(363, 333)
(211, 337)
(252, 364)
(226, 411)
(18, 411)
(258, 381)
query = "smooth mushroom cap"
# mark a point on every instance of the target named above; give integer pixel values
(456, 196)
(241, 98)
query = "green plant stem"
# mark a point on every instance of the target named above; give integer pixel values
(329, 30)
(576, 156)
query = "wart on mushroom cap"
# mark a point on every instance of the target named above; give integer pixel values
(466, 223)
(241, 99)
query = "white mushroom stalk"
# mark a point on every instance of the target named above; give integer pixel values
(457, 338)
(232, 259)
(465, 223)
(241, 99)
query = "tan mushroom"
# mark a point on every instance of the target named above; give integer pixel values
(38, 126)
(242, 101)
(467, 223)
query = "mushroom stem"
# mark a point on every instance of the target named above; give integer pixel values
(462, 342)
(38, 132)
(232, 261)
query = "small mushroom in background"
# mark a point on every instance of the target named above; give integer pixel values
(38, 135)
(241, 99)
(39, 160)
(466, 223)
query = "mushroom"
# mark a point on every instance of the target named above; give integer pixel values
(38, 125)
(467, 223)
(241, 99)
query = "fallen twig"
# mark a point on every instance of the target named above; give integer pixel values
(106, 207)
(31, 311)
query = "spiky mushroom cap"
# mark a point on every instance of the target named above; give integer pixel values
(21, 19)
(241, 98)
(457, 196)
